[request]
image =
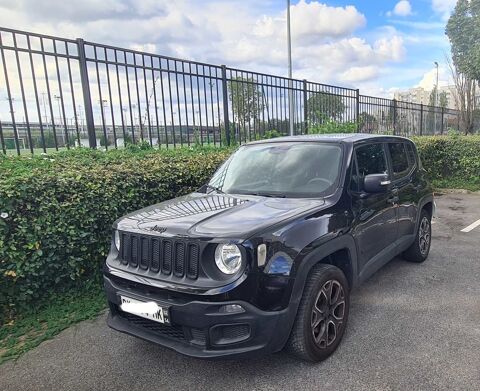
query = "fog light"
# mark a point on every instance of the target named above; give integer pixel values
(231, 309)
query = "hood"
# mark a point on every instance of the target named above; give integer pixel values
(214, 215)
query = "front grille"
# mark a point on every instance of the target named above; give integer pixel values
(160, 255)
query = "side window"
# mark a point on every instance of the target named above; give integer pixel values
(411, 155)
(370, 160)
(398, 154)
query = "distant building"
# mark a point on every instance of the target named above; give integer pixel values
(421, 95)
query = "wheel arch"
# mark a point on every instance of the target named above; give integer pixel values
(340, 251)
(330, 252)
(429, 207)
(427, 203)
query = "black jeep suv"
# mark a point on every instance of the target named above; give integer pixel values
(265, 255)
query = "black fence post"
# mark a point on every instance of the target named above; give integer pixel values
(394, 116)
(357, 108)
(87, 99)
(443, 116)
(421, 119)
(2, 141)
(226, 120)
(305, 105)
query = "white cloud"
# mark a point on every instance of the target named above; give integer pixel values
(402, 8)
(444, 7)
(350, 60)
(364, 73)
(316, 20)
(429, 78)
(311, 22)
(390, 49)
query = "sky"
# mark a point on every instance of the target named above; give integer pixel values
(377, 46)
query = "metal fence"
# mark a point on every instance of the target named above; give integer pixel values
(59, 93)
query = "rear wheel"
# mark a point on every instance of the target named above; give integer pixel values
(418, 251)
(322, 314)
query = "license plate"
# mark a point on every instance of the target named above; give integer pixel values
(148, 310)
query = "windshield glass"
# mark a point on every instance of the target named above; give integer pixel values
(299, 169)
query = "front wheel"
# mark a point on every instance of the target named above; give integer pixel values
(420, 248)
(322, 314)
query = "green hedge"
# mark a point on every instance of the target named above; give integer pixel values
(451, 162)
(58, 209)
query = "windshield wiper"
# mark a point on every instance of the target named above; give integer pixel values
(273, 195)
(217, 189)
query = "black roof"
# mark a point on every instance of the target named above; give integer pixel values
(333, 137)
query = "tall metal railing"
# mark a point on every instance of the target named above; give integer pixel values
(58, 93)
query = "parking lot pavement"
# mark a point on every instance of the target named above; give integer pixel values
(411, 327)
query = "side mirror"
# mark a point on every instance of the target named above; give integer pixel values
(376, 183)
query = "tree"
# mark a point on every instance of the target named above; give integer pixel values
(367, 123)
(463, 31)
(443, 99)
(323, 107)
(247, 100)
(464, 98)
(431, 123)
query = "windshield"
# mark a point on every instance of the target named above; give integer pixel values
(299, 169)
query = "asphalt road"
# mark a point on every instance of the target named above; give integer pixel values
(411, 327)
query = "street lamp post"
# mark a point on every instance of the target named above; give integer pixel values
(290, 84)
(436, 99)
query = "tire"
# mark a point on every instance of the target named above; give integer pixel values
(418, 251)
(316, 343)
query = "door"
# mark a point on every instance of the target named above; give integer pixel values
(402, 162)
(375, 214)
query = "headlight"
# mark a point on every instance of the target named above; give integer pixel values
(228, 258)
(116, 238)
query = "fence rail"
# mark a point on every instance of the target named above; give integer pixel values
(58, 93)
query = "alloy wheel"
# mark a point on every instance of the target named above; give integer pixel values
(424, 236)
(328, 313)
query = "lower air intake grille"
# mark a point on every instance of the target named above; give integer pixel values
(170, 332)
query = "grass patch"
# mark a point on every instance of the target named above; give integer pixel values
(29, 328)
(455, 184)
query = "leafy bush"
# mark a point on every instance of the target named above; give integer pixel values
(57, 211)
(453, 161)
(333, 127)
(269, 134)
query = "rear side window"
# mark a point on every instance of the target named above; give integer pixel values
(398, 154)
(370, 160)
(411, 155)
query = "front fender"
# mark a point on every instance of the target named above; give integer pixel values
(309, 260)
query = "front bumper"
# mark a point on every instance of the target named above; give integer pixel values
(197, 328)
